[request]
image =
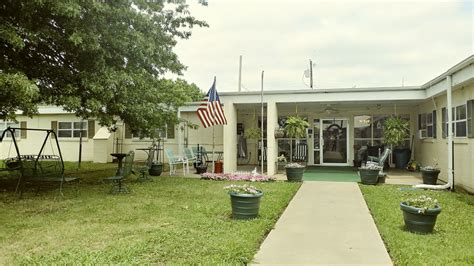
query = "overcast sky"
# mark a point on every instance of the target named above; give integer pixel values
(352, 43)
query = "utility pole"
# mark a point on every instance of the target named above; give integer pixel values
(310, 73)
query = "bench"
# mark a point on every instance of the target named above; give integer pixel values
(126, 171)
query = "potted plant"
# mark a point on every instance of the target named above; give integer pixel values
(420, 214)
(279, 132)
(430, 174)
(253, 133)
(281, 162)
(245, 201)
(395, 131)
(369, 174)
(294, 172)
(296, 126)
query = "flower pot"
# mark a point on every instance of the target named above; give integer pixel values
(381, 179)
(294, 174)
(418, 222)
(430, 177)
(279, 134)
(245, 206)
(155, 169)
(368, 176)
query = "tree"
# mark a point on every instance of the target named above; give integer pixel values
(97, 58)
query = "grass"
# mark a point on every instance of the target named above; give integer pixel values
(452, 241)
(171, 220)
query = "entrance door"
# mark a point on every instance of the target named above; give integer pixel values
(334, 141)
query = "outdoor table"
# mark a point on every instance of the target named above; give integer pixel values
(220, 154)
(119, 157)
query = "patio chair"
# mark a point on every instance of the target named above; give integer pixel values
(175, 160)
(379, 161)
(190, 156)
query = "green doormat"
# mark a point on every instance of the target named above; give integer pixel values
(327, 173)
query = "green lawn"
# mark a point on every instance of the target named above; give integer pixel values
(171, 220)
(452, 241)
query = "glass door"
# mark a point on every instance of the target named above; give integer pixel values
(334, 141)
(316, 142)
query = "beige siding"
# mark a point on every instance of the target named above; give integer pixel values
(430, 150)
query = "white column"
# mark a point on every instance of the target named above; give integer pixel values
(272, 145)
(230, 138)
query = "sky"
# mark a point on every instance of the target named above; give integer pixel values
(351, 43)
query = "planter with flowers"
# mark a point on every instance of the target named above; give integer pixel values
(245, 201)
(369, 174)
(294, 172)
(281, 162)
(430, 174)
(420, 214)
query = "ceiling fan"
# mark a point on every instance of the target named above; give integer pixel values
(329, 110)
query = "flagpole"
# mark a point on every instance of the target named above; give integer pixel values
(213, 162)
(262, 149)
(213, 141)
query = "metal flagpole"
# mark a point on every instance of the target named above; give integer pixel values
(213, 162)
(261, 129)
(213, 126)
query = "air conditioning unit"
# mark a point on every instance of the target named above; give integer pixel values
(422, 134)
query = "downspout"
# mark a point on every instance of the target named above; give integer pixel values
(448, 185)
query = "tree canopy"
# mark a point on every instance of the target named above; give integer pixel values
(97, 58)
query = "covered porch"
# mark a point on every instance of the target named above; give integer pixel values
(339, 132)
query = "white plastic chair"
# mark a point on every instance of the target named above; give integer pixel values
(175, 160)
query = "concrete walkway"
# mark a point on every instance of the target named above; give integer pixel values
(325, 223)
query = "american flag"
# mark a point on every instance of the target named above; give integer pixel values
(210, 111)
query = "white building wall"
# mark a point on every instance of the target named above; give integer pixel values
(32, 143)
(432, 150)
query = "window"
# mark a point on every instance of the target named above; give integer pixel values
(427, 125)
(460, 121)
(4, 125)
(166, 133)
(72, 129)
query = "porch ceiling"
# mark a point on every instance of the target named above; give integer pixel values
(306, 107)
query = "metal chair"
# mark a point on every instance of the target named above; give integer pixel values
(175, 160)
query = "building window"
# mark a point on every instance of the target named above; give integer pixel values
(460, 121)
(459, 116)
(166, 133)
(72, 129)
(4, 125)
(427, 125)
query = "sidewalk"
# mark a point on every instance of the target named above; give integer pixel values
(325, 223)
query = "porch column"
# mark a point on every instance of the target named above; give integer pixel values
(180, 134)
(272, 146)
(230, 138)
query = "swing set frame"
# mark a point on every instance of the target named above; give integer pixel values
(29, 166)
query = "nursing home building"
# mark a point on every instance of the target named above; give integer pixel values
(342, 122)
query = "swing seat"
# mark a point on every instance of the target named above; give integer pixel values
(38, 168)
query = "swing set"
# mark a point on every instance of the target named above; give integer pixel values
(35, 169)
